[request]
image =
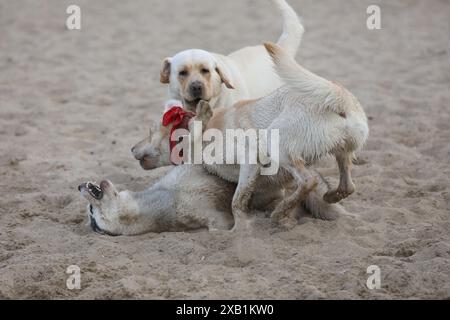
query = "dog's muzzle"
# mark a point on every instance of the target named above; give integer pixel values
(94, 190)
(196, 90)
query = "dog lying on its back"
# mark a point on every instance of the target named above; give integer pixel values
(186, 198)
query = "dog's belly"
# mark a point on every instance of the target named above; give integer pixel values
(309, 135)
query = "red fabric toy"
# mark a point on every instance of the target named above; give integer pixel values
(179, 118)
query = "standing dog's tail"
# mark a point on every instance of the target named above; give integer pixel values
(292, 28)
(316, 91)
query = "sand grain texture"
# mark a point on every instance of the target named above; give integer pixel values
(72, 103)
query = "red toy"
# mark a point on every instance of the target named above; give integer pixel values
(179, 118)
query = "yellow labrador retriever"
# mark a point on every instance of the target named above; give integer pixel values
(194, 75)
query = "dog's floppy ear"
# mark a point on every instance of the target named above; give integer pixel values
(222, 71)
(164, 76)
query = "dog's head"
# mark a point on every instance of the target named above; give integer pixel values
(104, 206)
(152, 152)
(195, 75)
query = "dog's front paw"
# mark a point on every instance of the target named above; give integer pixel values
(203, 112)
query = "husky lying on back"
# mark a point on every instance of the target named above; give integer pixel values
(186, 198)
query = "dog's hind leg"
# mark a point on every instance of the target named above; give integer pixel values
(248, 176)
(306, 183)
(346, 186)
(319, 208)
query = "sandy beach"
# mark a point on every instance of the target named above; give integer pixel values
(73, 103)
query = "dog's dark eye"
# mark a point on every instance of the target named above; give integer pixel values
(183, 73)
(204, 70)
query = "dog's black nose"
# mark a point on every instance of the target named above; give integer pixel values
(79, 187)
(197, 89)
(132, 149)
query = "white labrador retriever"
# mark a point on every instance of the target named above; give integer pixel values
(195, 75)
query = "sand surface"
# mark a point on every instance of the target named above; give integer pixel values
(72, 103)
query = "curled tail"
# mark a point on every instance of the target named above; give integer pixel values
(315, 91)
(293, 29)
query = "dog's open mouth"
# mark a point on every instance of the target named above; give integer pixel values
(94, 190)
